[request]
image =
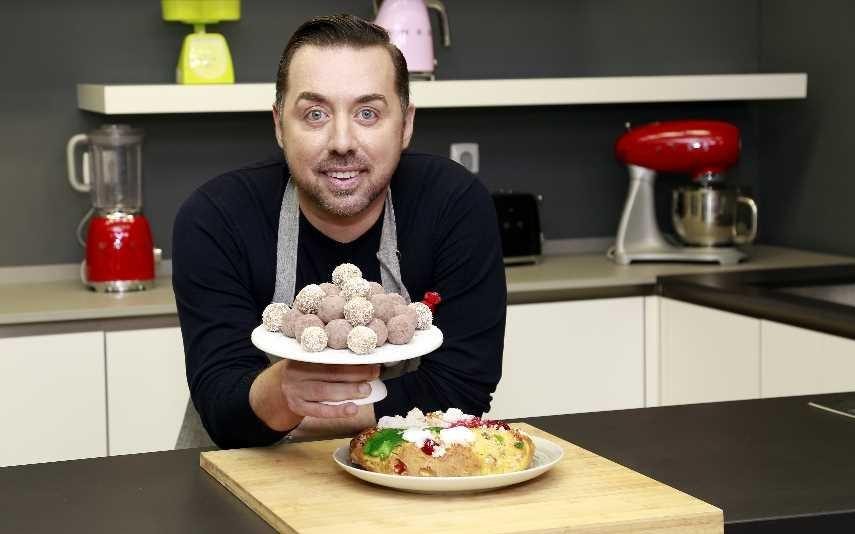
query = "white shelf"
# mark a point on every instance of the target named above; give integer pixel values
(252, 97)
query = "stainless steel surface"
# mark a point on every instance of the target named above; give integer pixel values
(121, 286)
(838, 293)
(708, 216)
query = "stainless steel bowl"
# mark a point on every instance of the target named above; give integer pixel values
(707, 216)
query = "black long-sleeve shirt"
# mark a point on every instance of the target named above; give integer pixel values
(224, 263)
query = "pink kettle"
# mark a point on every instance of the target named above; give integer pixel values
(408, 24)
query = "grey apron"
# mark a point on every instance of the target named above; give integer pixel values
(192, 433)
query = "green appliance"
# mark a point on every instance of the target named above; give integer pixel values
(205, 57)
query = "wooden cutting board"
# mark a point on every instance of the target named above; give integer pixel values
(297, 487)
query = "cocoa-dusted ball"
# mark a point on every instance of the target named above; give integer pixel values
(377, 299)
(305, 321)
(345, 271)
(401, 329)
(354, 287)
(330, 289)
(337, 331)
(289, 320)
(375, 289)
(384, 310)
(379, 328)
(272, 316)
(396, 298)
(358, 311)
(424, 317)
(361, 340)
(402, 309)
(332, 307)
(309, 298)
(313, 339)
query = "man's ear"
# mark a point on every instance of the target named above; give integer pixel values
(277, 124)
(409, 119)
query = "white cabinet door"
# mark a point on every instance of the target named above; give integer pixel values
(52, 403)
(575, 356)
(146, 389)
(797, 361)
(707, 355)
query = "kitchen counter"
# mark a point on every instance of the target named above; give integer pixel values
(772, 465)
(561, 277)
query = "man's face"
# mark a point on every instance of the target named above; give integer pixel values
(341, 125)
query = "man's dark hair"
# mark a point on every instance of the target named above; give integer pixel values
(342, 30)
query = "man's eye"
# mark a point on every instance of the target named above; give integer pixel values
(315, 115)
(367, 114)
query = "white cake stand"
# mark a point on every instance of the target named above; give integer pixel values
(278, 344)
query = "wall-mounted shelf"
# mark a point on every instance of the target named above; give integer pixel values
(252, 97)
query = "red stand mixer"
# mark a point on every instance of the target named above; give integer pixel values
(120, 255)
(704, 213)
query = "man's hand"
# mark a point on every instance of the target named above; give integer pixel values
(289, 390)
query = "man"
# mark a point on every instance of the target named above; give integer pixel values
(345, 193)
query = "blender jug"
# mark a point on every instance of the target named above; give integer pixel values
(119, 251)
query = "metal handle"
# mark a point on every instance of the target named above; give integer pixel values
(743, 239)
(443, 17)
(84, 185)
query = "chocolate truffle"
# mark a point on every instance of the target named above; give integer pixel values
(305, 321)
(337, 331)
(384, 309)
(345, 271)
(330, 289)
(361, 339)
(358, 311)
(309, 298)
(289, 320)
(379, 328)
(396, 298)
(402, 309)
(314, 339)
(272, 316)
(354, 287)
(332, 307)
(401, 329)
(377, 299)
(424, 317)
(375, 289)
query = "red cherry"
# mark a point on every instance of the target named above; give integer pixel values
(432, 300)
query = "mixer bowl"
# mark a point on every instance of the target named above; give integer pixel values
(707, 216)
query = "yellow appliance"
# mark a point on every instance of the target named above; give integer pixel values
(205, 57)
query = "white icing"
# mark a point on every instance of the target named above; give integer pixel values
(452, 415)
(416, 435)
(438, 451)
(456, 435)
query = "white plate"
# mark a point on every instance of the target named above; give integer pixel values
(546, 455)
(278, 344)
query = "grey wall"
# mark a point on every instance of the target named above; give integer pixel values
(807, 190)
(564, 153)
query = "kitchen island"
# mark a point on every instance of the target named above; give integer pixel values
(772, 465)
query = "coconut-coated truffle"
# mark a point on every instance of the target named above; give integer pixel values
(289, 320)
(314, 339)
(361, 340)
(305, 321)
(424, 317)
(375, 289)
(272, 316)
(331, 307)
(345, 271)
(309, 298)
(337, 331)
(358, 311)
(330, 289)
(402, 309)
(354, 287)
(400, 330)
(379, 328)
(384, 309)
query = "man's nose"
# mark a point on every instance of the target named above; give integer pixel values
(342, 139)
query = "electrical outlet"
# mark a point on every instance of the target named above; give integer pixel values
(466, 154)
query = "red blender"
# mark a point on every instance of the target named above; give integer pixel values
(120, 255)
(704, 212)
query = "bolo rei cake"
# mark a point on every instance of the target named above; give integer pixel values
(448, 443)
(349, 313)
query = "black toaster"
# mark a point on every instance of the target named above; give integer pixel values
(519, 226)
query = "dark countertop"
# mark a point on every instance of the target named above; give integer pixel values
(772, 465)
(767, 294)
